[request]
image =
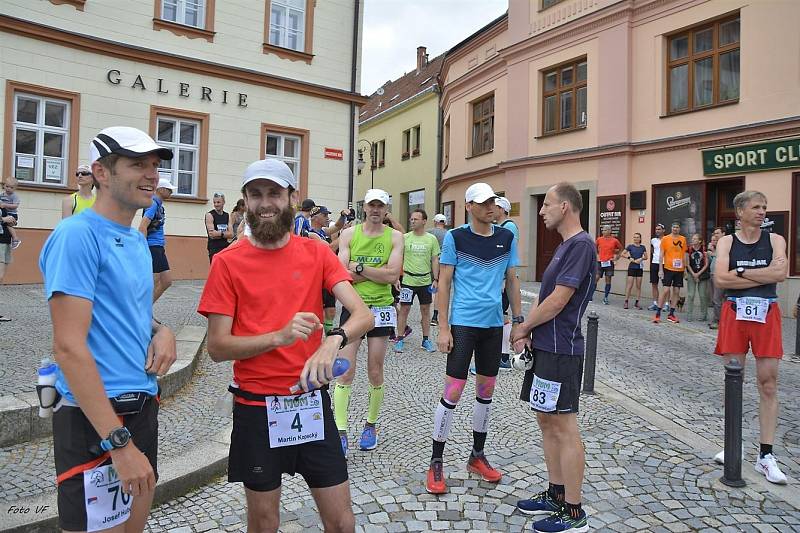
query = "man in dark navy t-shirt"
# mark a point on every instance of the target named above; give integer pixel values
(553, 385)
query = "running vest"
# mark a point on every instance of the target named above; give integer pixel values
(756, 255)
(220, 224)
(79, 203)
(373, 252)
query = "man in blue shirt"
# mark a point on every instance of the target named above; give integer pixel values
(108, 347)
(477, 260)
(152, 226)
(553, 385)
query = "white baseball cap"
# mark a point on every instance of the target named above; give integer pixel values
(504, 203)
(270, 169)
(479, 193)
(377, 194)
(165, 183)
(439, 218)
(126, 141)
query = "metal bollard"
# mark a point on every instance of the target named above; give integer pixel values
(589, 362)
(797, 331)
(732, 475)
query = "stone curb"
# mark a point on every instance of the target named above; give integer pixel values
(177, 477)
(19, 414)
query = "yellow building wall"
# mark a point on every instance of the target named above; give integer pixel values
(399, 177)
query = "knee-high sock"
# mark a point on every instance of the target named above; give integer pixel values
(341, 403)
(607, 289)
(480, 422)
(442, 419)
(375, 403)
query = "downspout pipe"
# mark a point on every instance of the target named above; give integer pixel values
(352, 151)
(439, 149)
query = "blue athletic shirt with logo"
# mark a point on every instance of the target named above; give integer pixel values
(155, 231)
(91, 257)
(573, 265)
(479, 274)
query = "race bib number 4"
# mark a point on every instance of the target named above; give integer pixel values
(406, 295)
(106, 504)
(544, 394)
(295, 419)
(752, 309)
(385, 316)
(677, 263)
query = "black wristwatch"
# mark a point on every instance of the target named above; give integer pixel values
(517, 320)
(740, 272)
(341, 333)
(359, 268)
(118, 438)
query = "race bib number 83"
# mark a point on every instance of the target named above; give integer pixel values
(544, 394)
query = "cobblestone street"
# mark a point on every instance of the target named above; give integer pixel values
(650, 433)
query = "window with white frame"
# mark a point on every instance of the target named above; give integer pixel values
(287, 24)
(186, 12)
(182, 136)
(41, 139)
(285, 147)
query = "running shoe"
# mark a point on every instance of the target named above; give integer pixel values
(434, 321)
(399, 345)
(472, 371)
(720, 457)
(369, 438)
(713, 325)
(435, 483)
(625, 305)
(543, 503)
(343, 438)
(768, 466)
(605, 300)
(4, 319)
(653, 307)
(15, 243)
(505, 362)
(428, 346)
(407, 332)
(656, 319)
(562, 521)
(480, 465)
(637, 306)
(673, 319)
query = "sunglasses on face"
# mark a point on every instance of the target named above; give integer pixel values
(83, 174)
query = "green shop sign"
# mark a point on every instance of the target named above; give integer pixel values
(752, 157)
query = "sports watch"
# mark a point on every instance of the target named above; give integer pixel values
(359, 268)
(740, 272)
(517, 319)
(118, 438)
(342, 334)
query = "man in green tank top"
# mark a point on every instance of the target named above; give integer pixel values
(373, 253)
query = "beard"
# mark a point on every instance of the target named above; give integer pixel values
(270, 231)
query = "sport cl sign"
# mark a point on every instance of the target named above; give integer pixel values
(752, 157)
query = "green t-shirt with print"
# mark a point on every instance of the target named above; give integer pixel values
(418, 253)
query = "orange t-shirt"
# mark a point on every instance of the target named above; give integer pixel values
(262, 290)
(606, 248)
(673, 252)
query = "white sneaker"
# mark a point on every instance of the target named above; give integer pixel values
(768, 466)
(720, 457)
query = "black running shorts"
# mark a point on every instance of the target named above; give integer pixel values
(160, 263)
(486, 343)
(374, 332)
(259, 467)
(635, 273)
(673, 278)
(76, 443)
(559, 368)
(654, 271)
(422, 292)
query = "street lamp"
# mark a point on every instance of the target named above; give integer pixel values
(361, 163)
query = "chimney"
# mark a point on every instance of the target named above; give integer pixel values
(422, 58)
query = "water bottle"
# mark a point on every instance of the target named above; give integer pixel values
(340, 366)
(432, 289)
(46, 387)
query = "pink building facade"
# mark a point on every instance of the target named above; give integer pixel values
(657, 110)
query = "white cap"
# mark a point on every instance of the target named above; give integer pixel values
(270, 169)
(165, 183)
(377, 194)
(504, 203)
(439, 218)
(479, 193)
(126, 141)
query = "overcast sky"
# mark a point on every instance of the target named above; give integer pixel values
(394, 28)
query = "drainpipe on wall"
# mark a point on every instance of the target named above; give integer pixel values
(352, 150)
(439, 127)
